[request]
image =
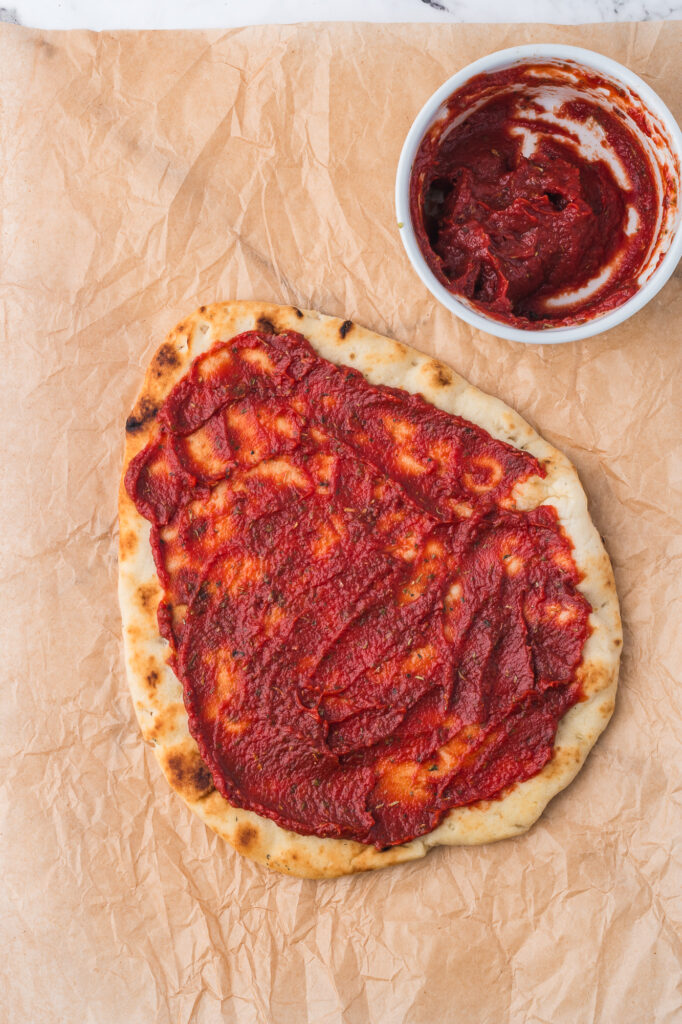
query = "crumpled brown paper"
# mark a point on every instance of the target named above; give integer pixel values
(143, 175)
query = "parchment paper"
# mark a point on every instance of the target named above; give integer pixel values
(143, 175)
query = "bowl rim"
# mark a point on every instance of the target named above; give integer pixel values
(496, 61)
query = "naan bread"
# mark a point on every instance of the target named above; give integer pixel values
(157, 693)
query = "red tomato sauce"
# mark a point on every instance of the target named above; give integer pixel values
(367, 633)
(511, 225)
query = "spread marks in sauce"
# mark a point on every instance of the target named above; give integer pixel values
(366, 630)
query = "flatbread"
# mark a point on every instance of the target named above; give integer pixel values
(157, 693)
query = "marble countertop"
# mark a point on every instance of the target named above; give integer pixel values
(174, 14)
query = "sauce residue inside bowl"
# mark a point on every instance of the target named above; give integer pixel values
(537, 196)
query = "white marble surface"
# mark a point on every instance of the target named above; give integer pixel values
(139, 14)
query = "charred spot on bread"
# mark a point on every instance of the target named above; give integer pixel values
(245, 836)
(266, 325)
(166, 358)
(441, 375)
(188, 774)
(146, 410)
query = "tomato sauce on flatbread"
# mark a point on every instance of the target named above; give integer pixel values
(367, 631)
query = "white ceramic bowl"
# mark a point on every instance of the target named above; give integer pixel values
(667, 154)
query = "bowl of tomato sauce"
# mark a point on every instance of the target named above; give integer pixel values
(538, 194)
